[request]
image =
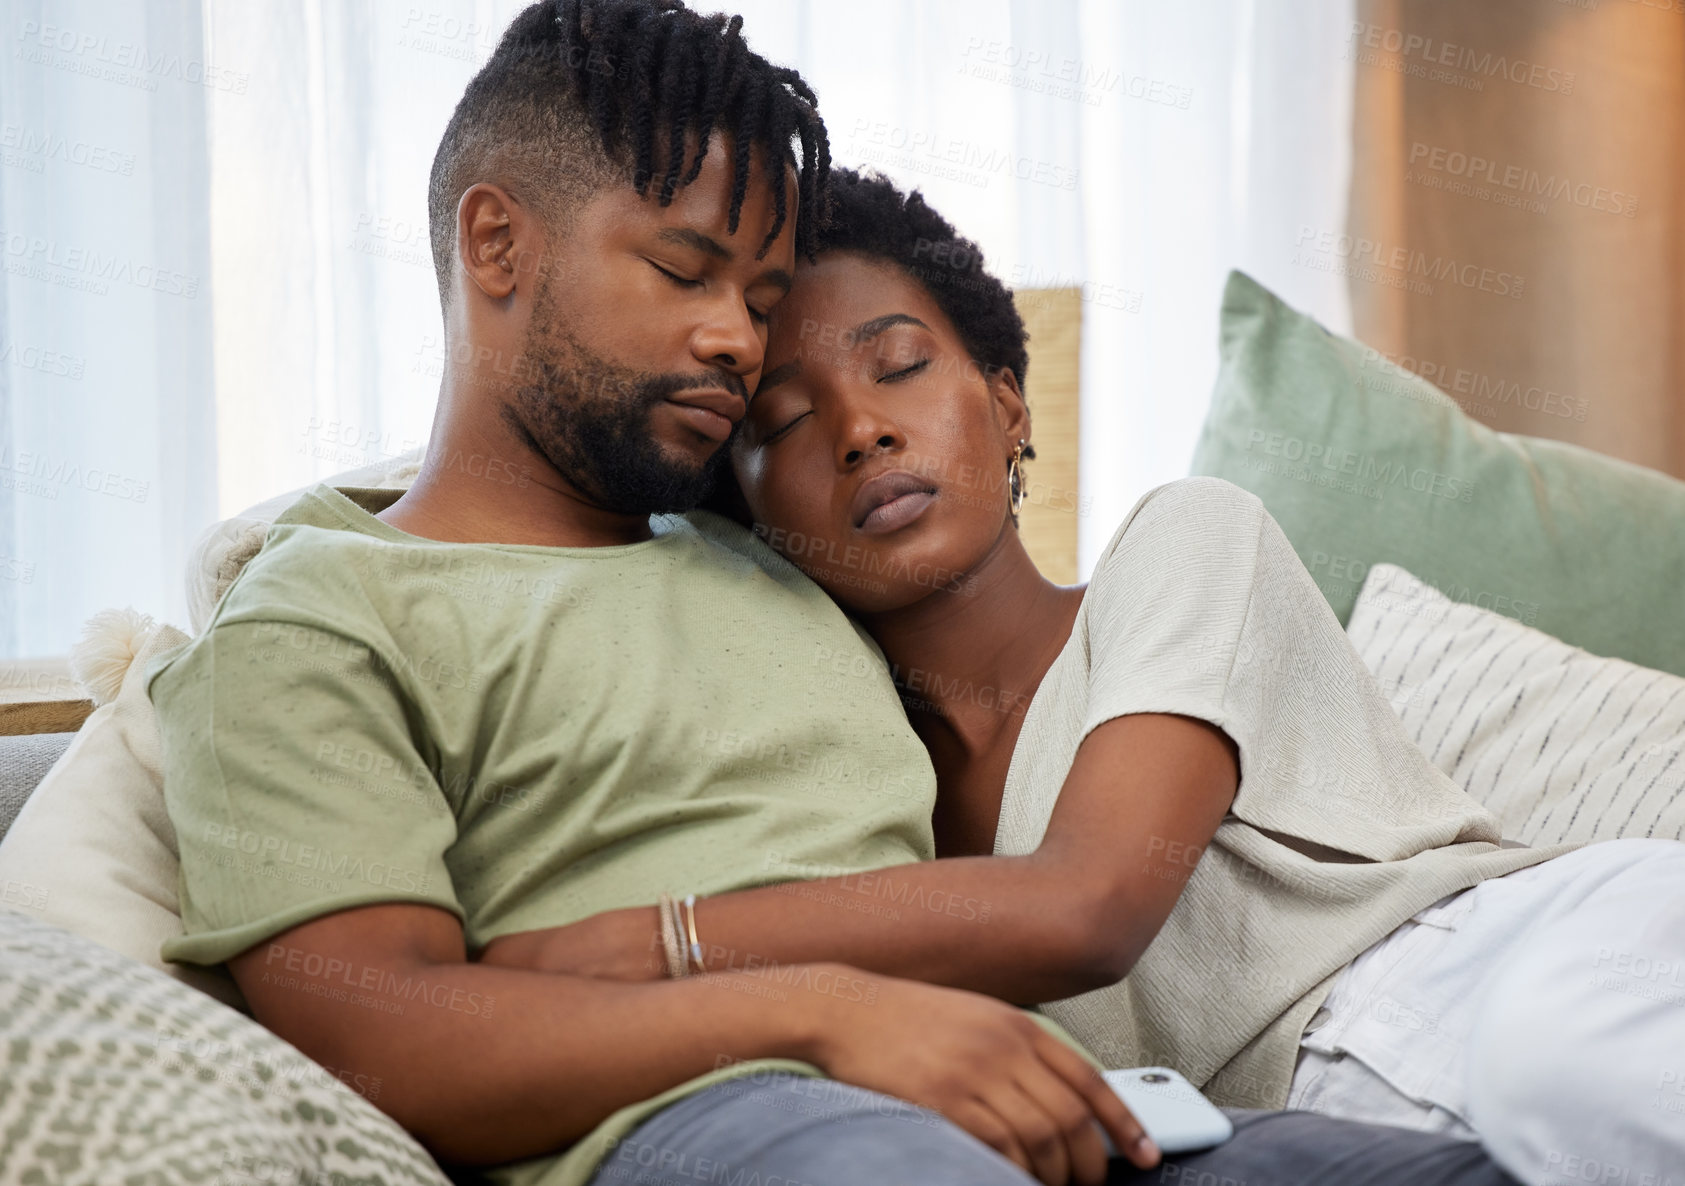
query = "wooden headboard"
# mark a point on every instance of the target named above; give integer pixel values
(40, 696)
(1048, 522)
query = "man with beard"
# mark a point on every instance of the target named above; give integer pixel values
(495, 705)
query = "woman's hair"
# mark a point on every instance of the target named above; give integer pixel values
(870, 217)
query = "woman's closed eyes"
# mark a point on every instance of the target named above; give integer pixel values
(905, 372)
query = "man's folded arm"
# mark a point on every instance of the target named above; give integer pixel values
(486, 1065)
(493, 1064)
(300, 774)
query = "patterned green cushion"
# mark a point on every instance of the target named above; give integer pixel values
(114, 1073)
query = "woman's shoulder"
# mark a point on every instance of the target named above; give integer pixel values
(1189, 518)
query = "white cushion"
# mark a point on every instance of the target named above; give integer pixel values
(93, 849)
(94, 842)
(1562, 745)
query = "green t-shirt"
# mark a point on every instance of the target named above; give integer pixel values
(522, 735)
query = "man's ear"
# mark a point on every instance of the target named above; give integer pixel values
(1011, 409)
(489, 224)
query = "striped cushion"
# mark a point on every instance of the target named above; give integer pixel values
(1560, 744)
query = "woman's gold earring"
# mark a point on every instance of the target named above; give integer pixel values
(1015, 477)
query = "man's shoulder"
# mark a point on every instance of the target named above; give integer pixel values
(733, 541)
(313, 557)
(327, 514)
(311, 569)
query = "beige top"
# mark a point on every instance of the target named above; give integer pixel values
(1341, 828)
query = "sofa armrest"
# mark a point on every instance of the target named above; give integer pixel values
(24, 762)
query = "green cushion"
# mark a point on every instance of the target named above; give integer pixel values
(1361, 461)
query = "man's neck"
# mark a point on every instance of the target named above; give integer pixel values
(483, 483)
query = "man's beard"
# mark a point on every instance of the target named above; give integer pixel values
(591, 419)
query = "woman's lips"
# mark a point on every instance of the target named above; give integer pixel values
(882, 489)
(897, 512)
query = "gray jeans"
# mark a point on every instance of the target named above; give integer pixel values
(785, 1130)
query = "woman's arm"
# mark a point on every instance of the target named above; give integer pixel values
(1142, 799)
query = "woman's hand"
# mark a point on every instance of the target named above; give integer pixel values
(987, 1067)
(614, 945)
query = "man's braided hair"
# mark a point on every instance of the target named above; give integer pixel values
(583, 94)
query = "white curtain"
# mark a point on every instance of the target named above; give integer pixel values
(271, 315)
(107, 420)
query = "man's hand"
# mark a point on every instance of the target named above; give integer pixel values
(990, 1069)
(984, 1065)
(482, 1085)
(614, 945)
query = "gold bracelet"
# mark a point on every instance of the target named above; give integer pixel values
(680, 955)
(670, 938)
(690, 928)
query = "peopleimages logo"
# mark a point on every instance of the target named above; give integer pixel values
(48, 362)
(42, 474)
(46, 146)
(98, 56)
(1357, 249)
(982, 161)
(330, 976)
(76, 266)
(1522, 181)
(336, 868)
(1432, 52)
(1483, 394)
(1362, 467)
